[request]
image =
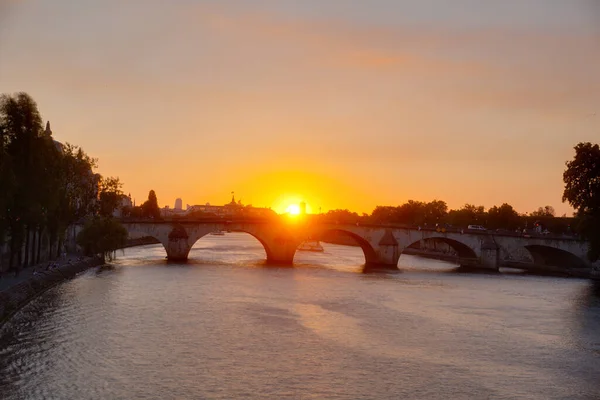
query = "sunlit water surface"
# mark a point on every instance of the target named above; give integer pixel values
(225, 326)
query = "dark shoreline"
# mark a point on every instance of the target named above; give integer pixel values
(17, 296)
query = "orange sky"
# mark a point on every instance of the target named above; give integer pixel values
(338, 103)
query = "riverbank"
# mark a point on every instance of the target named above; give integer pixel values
(17, 291)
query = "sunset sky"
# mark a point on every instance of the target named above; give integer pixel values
(343, 104)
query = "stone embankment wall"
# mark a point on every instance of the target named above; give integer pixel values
(15, 297)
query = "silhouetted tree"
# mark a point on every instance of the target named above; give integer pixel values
(411, 213)
(547, 211)
(383, 214)
(150, 207)
(435, 211)
(469, 214)
(101, 236)
(44, 186)
(76, 192)
(22, 130)
(504, 217)
(7, 186)
(110, 195)
(341, 216)
(582, 191)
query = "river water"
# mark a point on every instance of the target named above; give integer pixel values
(225, 326)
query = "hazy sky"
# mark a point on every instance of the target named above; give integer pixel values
(344, 104)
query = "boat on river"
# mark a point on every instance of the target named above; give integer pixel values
(311, 245)
(218, 233)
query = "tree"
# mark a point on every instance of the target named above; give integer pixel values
(109, 196)
(582, 179)
(435, 211)
(412, 212)
(504, 217)
(582, 191)
(22, 137)
(44, 186)
(341, 216)
(79, 184)
(7, 183)
(101, 237)
(76, 191)
(469, 214)
(150, 207)
(382, 214)
(547, 211)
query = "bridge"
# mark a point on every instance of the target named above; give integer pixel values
(381, 244)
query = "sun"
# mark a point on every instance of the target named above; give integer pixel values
(293, 209)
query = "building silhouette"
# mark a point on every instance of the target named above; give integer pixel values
(178, 204)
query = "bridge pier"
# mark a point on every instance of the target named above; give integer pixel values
(281, 250)
(178, 247)
(490, 257)
(178, 250)
(386, 254)
(381, 266)
(386, 258)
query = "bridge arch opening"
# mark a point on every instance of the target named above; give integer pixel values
(230, 247)
(441, 244)
(341, 248)
(553, 257)
(443, 253)
(141, 242)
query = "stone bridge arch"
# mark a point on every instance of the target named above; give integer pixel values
(177, 238)
(147, 230)
(369, 252)
(544, 255)
(462, 250)
(269, 253)
(173, 237)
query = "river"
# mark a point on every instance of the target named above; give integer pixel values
(225, 326)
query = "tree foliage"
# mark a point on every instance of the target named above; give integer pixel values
(150, 207)
(547, 211)
(582, 179)
(411, 212)
(503, 217)
(469, 214)
(45, 186)
(341, 216)
(436, 212)
(582, 191)
(101, 237)
(109, 196)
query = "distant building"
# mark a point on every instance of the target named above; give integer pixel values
(231, 209)
(178, 204)
(125, 203)
(167, 211)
